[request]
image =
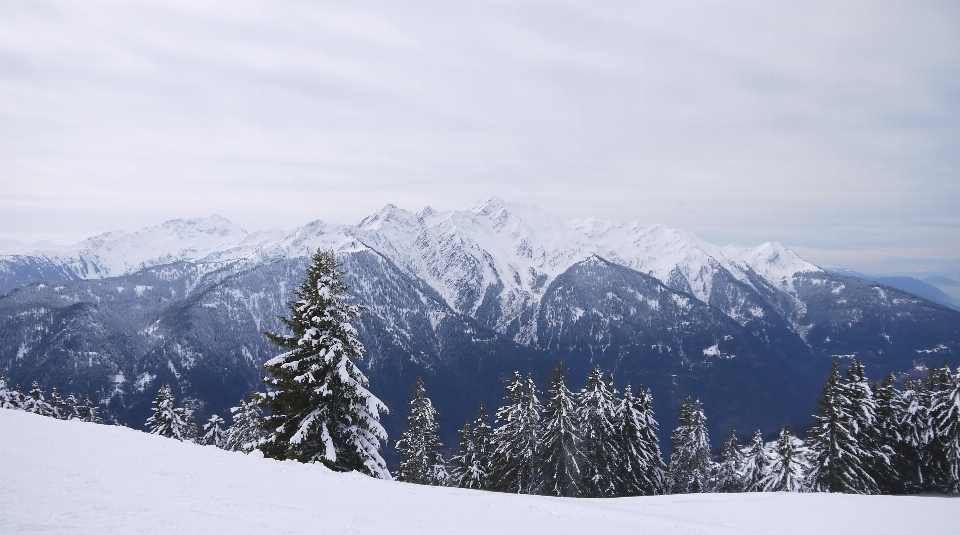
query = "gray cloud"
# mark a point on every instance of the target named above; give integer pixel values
(828, 125)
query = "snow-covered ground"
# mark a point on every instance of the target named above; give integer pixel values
(73, 477)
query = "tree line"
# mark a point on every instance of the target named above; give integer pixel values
(57, 406)
(868, 439)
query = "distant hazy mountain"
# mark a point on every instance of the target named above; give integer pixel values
(462, 298)
(936, 289)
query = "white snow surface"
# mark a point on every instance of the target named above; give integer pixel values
(74, 477)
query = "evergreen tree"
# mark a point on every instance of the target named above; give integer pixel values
(890, 432)
(36, 403)
(462, 462)
(189, 427)
(88, 412)
(10, 398)
(246, 431)
(166, 420)
(72, 407)
(560, 445)
(755, 465)
(213, 434)
(840, 462)
(690, 458)
(514, 459)
(945, 418)
(472, 463)
(863, 406)
(916, 429)
(728, 474)
(483, 441)
(420, 445)
(58, 405)
(641, 469)
(788, 467)
(320, 408)
(602, 453)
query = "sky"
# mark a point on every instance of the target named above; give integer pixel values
(830, 126)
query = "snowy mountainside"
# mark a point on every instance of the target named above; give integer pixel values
(492, 261)
(463, 298)
(74, 477)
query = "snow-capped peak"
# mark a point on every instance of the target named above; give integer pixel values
(513, 249)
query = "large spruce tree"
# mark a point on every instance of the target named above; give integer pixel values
(419, 446)
(246, 431)
(755, 464)
(788, 466)
(891, 433)
(690, 463)
(945, 419)
(560, 443)
(602, 453)
(514, 459)
(167, 420)
(840, 443)
(641, 465)
(319, 406)
(728, 474)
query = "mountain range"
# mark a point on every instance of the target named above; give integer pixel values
(462, 298)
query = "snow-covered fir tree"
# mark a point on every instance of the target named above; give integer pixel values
(514, 459)
(788, 465)
(87, 411)
(560, 446)
(319, 406)
(72, 407)
(754, 464)
(916, 429)
(945, 419)
(471, 464)
(186, 412)
(597, 407)
(58, 405)
(10, 398)
(840, 460)
(419, 446)
(462, 462)
(863, 406)
(246, 431)
(167, 420)
(728, 473)
(690, 459)
(890, 432)
(641, 466)
(36, 402)
(213, 434)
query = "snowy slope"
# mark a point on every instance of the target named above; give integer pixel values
(73, 477)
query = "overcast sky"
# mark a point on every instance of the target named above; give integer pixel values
(833, 127)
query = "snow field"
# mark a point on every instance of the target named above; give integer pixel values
(74, 477)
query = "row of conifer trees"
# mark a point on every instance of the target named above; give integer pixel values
(57, 406)
(171, 421)
(868, 439)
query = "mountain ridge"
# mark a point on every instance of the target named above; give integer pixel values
(464, 298)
